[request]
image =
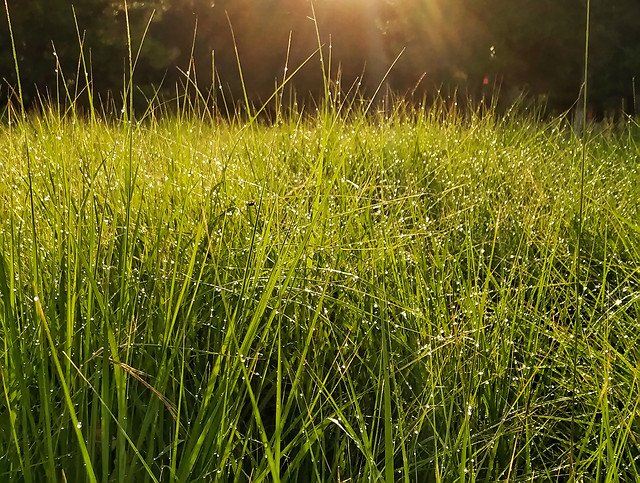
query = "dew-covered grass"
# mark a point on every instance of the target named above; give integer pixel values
(324, 298)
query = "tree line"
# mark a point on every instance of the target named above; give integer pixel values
(530, 48)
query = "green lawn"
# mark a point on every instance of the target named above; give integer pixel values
(332, 297)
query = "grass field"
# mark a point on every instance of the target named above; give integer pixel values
(329, 297)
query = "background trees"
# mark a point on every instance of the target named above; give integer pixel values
(530, 46)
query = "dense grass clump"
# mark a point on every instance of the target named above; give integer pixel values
(324, 298)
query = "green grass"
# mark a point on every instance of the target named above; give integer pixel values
(346, 296)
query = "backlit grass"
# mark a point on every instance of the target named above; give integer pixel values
(338, 297)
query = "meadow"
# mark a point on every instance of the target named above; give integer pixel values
(350, 295)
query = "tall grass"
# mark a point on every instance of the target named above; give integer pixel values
(347, 295)
(584, 91)
(323, 299)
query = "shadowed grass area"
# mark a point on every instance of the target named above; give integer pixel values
(340, 297)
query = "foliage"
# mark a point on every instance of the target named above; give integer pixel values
(349, 295)
(531, 47)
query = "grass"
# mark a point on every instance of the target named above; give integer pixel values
(345, 296)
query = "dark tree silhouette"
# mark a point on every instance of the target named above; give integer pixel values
(469, 47)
